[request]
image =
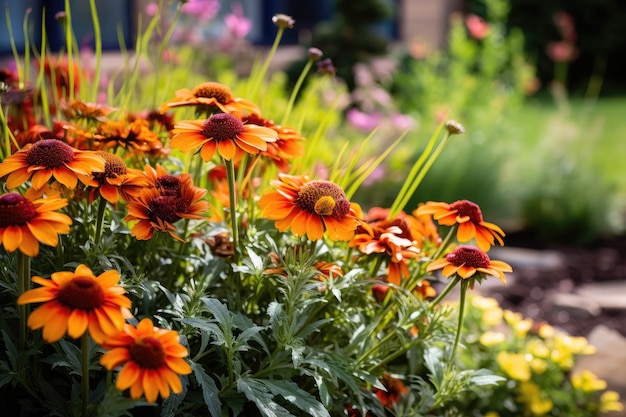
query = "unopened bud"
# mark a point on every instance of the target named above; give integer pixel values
(283, 21)
(315, 54)
(60, 17)
(454, 128)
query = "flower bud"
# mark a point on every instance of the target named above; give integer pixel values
(315, 54)
(454, 128)
(283, 21)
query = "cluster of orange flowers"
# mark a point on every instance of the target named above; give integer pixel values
(78, 158)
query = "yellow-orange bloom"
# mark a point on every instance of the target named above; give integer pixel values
(50, 158)
(470, 220)
(116, 180)
(25, 223)
(152, 360)
(466, 261)
(157, 208)
(211, 96)
(224, 133)
(76, 302)
(310, 208)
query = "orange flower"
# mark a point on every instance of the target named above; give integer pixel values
(310, 207)
(133, 135)
(80, 110)
(470, 220)
(213, 97)
(174, 198)
(75, 302)
(466, 261)
(392, 237)
(222, 132)
(152, 359)
(50, 158)
(116, 180)
(25, 223)
(287, 147)
(394, 388)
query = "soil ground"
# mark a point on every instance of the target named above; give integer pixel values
(604, 260)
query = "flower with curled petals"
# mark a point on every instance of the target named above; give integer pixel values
(76, 302)
(157, 208)
(469, 261)
(25, 222)
(469, 219)
(50, 158)
(117, 180)
(213, 97)
(151, 360)
(310, 208)
(224, 133)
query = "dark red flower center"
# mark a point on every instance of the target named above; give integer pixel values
(469, 209)
(165, 208)
(255, 119)
(324, 198)
(148, 352)
(469, 256)
(15, 210)
(114, 166)
(168, 185)
(222, 126)
(50, 153)
(81, 292)
(219, 92)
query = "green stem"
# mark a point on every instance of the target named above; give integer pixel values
(97, 34)
(446, 291)
(445, 243)
(295, 91)
(23, 284)
(230, 174)
(102, 204)
(459, 326)
(261, 74)
(84, 347)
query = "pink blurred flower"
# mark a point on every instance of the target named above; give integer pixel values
(476, 26)
(203, 10)
(237, 23)
(562, 51)
(363, 121)
(151, 9)
(402, 121)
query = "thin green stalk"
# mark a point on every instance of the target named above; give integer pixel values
(232, 192)
(295, 91)
(410, 186)
(97, 33)
(23, 285)
(260, 76)
(446, 242)
(84, 347)
(459, 327)
(446, 291)
(164, 42)
(69, 38)
(16, 55)
(102, 204)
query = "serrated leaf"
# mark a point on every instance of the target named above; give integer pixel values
(210, 392)
(171, 404)
(218, 310)
(296, 396)
(260, 395)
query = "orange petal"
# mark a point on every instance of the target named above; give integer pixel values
(66, 177)
(40, 178)
(149, 385)
(37, 295)
(12, 238)
(115, 357)
(77, 323)
(466, 231)
(208, 150)
(227, 149)
(178, 365)
(128, 376)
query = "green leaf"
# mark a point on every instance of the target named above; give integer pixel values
(298, 397)
(116, 404)
(171, 404)
(259, 394)
(210, 392)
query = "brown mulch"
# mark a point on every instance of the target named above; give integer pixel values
(604, 260)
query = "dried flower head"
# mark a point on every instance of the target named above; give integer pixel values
(454, 128)
(283, 21)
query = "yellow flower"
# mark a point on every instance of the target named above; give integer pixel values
(515, 365)
(538, 366)
(609, 401)
(492, 338)
(587, 381)
(532, 397)
(538, 348)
